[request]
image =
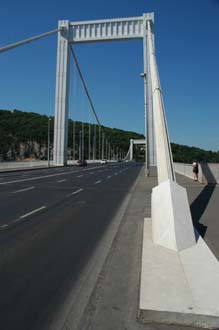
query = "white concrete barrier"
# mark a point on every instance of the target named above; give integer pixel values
(208, 172)
(4, 166)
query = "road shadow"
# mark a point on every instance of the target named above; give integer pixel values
(200, 204)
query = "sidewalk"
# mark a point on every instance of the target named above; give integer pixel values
(115, 301)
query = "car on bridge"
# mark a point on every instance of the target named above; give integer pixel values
(81, 162)
(103, 161)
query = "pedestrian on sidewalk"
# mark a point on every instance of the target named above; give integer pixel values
(195, 170)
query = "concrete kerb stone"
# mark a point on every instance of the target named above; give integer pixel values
(178, 287)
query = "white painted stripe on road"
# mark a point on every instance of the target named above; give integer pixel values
(109, 176)
(75, 192)
(61, 180)
(97, 182)
(45, 176)
(80, 176)
(32, 212)
(16, 220)
(4, 226)
(18, 191)
(38, 177)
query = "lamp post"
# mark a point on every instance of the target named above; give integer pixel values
(89, 143)
(102, 145)
(48, 144)
(73, 141)
(80, 145)
(144, 75)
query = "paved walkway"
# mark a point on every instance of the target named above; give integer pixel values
(204, 205)
(114, 303)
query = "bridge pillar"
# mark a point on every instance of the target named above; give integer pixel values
(150, 153)
(131, 149)
(62, 96)
(171, 218)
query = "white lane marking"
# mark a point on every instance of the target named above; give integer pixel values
(109, 176)
(18, 191)
(16, 220)
(91, 172)
(75, 192)
(32, 212)
(46, 176)
(4, 226)
(61, 180)
(97, 182)
(80, 176)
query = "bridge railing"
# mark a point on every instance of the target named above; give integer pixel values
(208, 172)
(9, 166)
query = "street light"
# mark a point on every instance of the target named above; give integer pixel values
(48, 145)
(144, 75)
(103, 146)
(80, 145)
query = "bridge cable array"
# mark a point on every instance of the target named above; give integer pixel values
(104, 146)
(108, 149)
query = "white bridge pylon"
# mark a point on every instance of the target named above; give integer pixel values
(133, 142)
(97, 31)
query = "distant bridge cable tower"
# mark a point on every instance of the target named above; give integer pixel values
(129, 155)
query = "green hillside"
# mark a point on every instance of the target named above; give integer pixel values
(185, 154)
(24, 135)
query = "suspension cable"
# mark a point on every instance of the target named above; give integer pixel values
(84, 84)
(86, 90)
(26, 41)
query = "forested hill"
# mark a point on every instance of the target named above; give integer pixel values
(185, 154)
(24, 135)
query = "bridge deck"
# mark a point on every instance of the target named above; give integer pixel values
(114, 303)
(204, 207)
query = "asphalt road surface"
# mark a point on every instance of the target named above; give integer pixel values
(50, 223)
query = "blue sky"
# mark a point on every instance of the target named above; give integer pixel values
(187, 47)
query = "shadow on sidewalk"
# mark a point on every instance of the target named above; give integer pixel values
(199, 205)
